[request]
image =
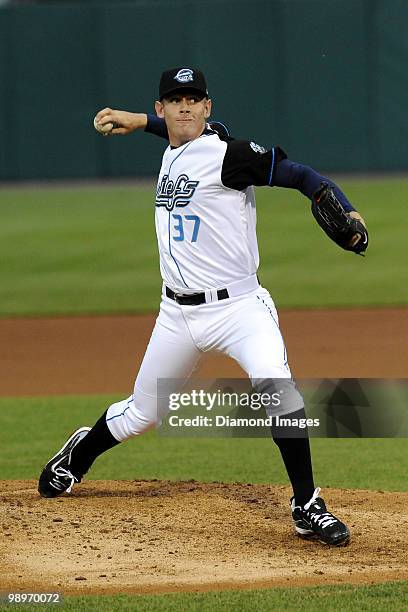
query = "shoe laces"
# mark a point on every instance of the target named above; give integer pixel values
(63, 473)
(323, 519)
(313, 498)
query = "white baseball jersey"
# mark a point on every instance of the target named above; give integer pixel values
(205, 220)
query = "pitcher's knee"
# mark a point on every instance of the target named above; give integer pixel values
(281, 395)
(132, 417)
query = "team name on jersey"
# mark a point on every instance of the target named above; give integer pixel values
(175, 193)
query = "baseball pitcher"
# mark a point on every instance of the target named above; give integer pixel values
(205, 215)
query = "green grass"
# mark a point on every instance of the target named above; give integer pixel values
(93, 250)
(391, 596)
(80, 250)
(379, 597)
(32, 429)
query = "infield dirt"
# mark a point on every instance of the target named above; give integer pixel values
(102, 354)
(160, 536)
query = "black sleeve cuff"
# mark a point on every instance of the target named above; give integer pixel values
(156, 126)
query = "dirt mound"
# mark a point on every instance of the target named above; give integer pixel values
(158, 536)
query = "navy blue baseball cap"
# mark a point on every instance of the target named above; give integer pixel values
(182, 78)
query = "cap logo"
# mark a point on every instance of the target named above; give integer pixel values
(184, 75)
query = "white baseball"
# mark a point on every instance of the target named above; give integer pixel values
(103, 129)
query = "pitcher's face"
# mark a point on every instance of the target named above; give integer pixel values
(185, 115)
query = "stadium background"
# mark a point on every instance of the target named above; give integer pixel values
(325, 79)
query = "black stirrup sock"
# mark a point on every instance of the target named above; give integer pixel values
(296, 456)
(96, 442)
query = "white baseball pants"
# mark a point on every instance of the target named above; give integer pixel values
(245, 327)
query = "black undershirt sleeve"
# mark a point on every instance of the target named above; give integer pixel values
(306, 180)
(156, 126)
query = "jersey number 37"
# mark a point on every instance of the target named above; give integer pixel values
(190, 223)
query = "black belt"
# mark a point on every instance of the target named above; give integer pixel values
(194, 298)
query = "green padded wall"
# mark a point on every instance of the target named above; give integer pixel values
(325, 79)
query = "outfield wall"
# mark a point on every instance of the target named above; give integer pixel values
(326, 79)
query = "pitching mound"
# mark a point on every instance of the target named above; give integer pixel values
(154, 536)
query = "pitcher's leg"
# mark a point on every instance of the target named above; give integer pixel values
(144, 409)
(260, 350)
(253, 337)
(171, 354)
(255, 341)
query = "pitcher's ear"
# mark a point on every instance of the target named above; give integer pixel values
(208, 106)
(158, 107)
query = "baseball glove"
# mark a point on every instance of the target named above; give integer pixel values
(349, 233)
